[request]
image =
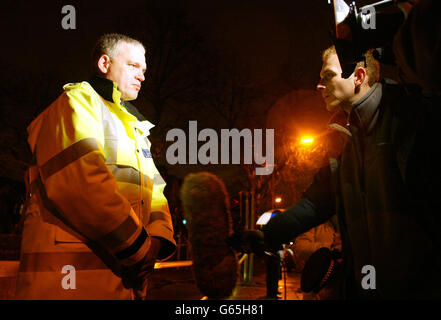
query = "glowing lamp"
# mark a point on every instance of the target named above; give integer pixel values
(307, 140)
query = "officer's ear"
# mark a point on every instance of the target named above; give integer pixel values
(104, 63)
(360, 76)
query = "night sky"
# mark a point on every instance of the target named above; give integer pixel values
(263, 33)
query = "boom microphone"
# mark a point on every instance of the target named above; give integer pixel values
(206, 208)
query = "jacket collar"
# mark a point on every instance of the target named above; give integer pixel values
(364, 112)
(109, 91)
(106, 88)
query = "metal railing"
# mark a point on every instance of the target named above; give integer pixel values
(247, 212)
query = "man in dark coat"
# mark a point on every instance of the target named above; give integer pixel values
(384, 189)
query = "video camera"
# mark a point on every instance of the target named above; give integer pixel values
(369, 27)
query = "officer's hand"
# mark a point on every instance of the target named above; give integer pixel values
(135, 277)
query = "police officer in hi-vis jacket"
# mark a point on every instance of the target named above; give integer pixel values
(96, 219)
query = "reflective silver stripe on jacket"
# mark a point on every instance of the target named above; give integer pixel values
(110, 135)
(121, 173)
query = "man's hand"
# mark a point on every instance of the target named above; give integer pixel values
(253, 242)
(135, 277)
(248, 241)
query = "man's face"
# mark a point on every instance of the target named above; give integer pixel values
(127, 69)
(336, 91)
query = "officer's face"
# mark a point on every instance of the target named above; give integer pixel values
(335, 90)
(127, 69)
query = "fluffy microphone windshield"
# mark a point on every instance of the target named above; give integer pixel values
(206, 208)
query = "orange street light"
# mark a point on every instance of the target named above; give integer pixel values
(307, 140)
(278, 200)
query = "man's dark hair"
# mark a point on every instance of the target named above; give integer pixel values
(108, 44)
(371, 64)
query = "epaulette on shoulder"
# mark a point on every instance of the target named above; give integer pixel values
(76, 85)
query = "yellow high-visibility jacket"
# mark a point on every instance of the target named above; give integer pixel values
(95, 197)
